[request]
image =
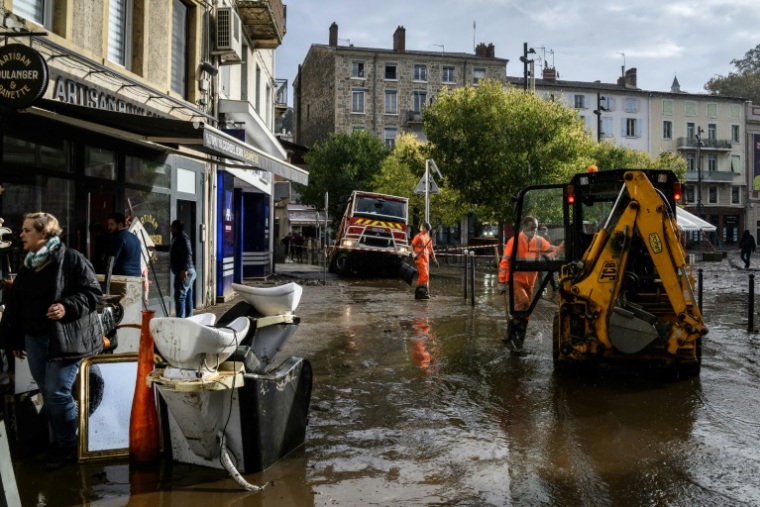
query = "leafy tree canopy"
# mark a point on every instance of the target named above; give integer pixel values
(607, 156)
(745, 82)
(493, 141)
(340, 165)
(402, 171)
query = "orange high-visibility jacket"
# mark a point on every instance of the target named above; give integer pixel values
(422, 246)
(526, 250)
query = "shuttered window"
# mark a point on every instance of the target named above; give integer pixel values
(179, 48)
(120, 32)
(33, 10)
(667, 107)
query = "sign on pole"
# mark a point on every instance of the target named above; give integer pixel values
(432, 187)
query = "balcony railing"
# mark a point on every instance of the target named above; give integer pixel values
(413, 117)
(281, 97)
(711, 176)
(264, 20)
(690, 143)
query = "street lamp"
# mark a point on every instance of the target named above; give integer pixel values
(699, 171)
(524, 59)
(598, 112)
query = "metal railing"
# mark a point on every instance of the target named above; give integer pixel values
(707, 144)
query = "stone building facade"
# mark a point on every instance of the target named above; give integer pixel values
(381, 91)
(753, 169)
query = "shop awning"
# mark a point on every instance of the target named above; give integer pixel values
(251, 178)
(689, 222)
(256, 132)
(195, 135)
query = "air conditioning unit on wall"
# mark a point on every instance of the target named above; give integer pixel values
(229, 37)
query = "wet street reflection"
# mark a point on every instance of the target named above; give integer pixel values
(420, 403)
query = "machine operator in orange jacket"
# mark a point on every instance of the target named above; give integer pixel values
(422, 247)
(530, 246)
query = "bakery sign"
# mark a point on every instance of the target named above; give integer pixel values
(23, 76)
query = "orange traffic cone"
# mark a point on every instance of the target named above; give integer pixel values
(143, 423)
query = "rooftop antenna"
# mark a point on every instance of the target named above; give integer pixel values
(551, 52)
(347, 40)
(623, 62)
(543, 52)
(439, 46)
(473, 35)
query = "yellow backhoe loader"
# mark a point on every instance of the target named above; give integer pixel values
(626, 291)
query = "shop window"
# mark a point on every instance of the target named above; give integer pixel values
(99, 163)
(148, 173)
(120, 32)
(53, 154)
(179, 48)
(186, 181)
(153, 209)
(32, 194)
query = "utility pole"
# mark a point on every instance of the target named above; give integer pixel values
(598, 112)
(524, 60)
(699, 171)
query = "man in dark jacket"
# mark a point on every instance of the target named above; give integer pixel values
(747, 245)
(183, 268)
(124, 247)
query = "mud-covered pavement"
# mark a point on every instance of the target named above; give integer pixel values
(419, 403)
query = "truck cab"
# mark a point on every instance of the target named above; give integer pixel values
(372, 239)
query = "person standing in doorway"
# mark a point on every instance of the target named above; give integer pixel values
(124, 247)
(747, 245)
(51, 320)
(183, 268)
(422, 246)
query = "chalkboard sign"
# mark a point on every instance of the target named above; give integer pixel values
(23, 76)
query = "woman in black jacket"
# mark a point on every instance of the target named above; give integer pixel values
(51, 319)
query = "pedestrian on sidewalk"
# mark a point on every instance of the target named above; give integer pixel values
(422, 246)
(51, 321)
(747, 245)
(183, 267)
(124, 247)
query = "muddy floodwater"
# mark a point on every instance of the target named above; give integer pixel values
(418, 403)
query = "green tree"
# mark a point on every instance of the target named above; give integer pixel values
(607, 156)
(745, 82)
(402, 171)
(340, 165)
(493, 141)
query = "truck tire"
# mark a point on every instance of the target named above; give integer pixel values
(342, 264)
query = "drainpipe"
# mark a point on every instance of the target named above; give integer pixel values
(374, 95)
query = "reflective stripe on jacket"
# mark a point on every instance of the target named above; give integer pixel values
(526, 250)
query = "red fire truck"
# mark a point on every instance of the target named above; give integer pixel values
(372, 239)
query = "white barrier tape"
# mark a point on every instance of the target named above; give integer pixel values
(491, 245)
(442, 254)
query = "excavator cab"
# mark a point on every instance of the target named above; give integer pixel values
(625, 288)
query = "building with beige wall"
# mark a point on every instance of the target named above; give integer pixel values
(343, 88)
(752, 136)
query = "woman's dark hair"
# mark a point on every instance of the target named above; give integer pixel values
(45, 223)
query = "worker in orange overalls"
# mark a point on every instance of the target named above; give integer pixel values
(422, 247)
(530, 246)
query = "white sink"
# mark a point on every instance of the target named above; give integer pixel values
(280, 300)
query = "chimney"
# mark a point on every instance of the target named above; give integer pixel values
(491, 51)
(334, 35)
(481, 49)
(549, 74)
(399, 39)
(630, 78)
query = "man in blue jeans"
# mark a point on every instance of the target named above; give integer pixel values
(181, 259)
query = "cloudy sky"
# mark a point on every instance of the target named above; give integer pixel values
(693, 40)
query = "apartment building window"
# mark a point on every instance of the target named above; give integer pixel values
(420, 72)
(689, 193)
(667, 107)
(736, 164)
(391, 104)
(448, 74)
(38, 11)
(690, 130)
(667, 129)
(734, 195)
(257, 91)
(712, 131)
(357, 100)
(418, 101)
(358, 129)
(390, 71)
(608, 103)
(478, 75)
(607, 125)
(690, 162)
(120, 32)
(225, 80)
(268, 105)
(179, 48)
(357, 70)
(712, 163)
(631, 127)
(712, 195)
(735, 134)
(631, 105)
(390, 137)
(734, 112)
(712, 110)
(580, 102)
(690, 108)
